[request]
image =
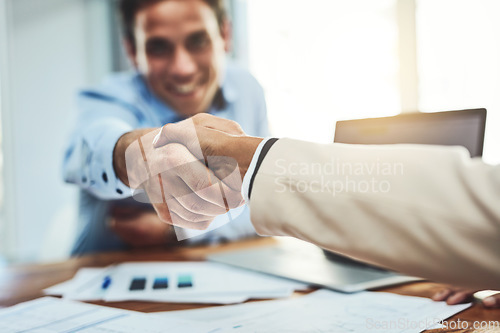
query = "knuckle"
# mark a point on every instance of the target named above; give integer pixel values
(205, 224)
(198, 118)
(194, 206)
(202, 225)
(193, 217)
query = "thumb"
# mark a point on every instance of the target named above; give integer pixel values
(183, 133)
(186, 130)
(160, 140)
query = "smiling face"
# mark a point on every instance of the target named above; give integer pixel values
(180, 50)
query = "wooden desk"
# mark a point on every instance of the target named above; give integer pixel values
(24, 283)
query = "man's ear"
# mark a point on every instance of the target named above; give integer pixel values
(131, 51)
(226, 31)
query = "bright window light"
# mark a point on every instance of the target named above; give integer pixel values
(324, 60)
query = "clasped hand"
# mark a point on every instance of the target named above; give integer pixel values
(184, 172)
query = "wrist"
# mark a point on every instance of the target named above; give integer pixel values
(242, 150)
(119, 163)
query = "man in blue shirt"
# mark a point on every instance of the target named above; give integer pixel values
(178, 49)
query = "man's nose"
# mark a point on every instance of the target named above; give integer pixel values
(183, 64)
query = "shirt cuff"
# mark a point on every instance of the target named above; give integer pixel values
(103, 181)
(257, 158)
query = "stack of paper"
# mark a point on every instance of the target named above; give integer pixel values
(182, 282)
(325, 311)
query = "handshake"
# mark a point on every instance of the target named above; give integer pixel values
(190, 171)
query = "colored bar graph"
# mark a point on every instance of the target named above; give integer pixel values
(160, 283)
(138, 284)
(184, 281)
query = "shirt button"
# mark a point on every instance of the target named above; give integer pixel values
(119, 191)
(105, 177)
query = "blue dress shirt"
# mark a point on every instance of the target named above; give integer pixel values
(123, 103)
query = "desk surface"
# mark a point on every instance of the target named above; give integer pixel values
(23, 283)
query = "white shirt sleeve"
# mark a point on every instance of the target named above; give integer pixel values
(251, 170)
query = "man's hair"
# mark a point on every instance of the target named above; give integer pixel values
(129, 8)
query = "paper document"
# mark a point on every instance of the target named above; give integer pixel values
(192, 281)
(86, 285)
(322, 311)
(53, 315)
(180, 282)
(326, 311)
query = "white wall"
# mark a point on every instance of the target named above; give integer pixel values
(459, 61)
(6, 211)
(52, 52)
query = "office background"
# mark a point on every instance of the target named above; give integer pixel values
(318, 60)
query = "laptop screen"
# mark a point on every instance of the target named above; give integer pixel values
(451, 128)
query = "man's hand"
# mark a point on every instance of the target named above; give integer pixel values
(207, 136)
(454, 295)
(183, 191)
(140, 228)
(224, 148)
(175, 177)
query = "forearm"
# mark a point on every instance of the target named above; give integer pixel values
(420, 218)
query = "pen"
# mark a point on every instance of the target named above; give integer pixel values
(94, 281)
(106, 282)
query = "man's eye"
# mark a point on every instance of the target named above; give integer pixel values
(198, 42)
(157, 48)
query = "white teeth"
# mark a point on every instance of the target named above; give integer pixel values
(185, 89)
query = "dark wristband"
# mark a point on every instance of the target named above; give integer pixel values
(263, 153)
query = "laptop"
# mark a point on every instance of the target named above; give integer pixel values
(451, 128)
(307, 263)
